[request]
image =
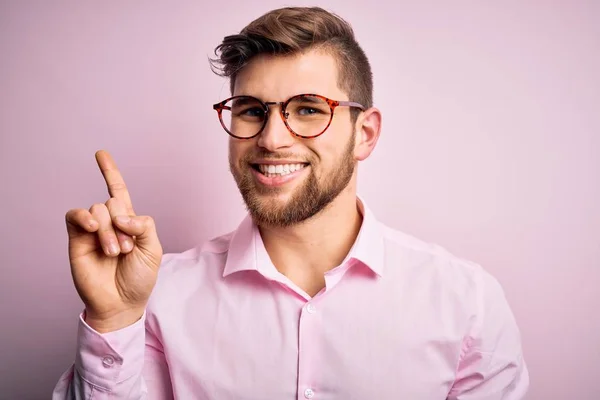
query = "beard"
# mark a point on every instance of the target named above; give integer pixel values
(307, 200)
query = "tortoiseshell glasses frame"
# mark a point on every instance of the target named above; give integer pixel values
(333, 104)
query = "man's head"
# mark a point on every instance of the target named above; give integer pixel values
(290, 165)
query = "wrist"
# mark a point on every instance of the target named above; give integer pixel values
(114, 322)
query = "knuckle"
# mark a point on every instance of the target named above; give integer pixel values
(112, 203)
(70, 214)
(116, 186)
(97, 208)
(148, 221)
(77, 217)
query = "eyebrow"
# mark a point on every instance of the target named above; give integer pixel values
(243, 101)
(310, 99)
(252, 100)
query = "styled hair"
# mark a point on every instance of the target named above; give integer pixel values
(294, 30)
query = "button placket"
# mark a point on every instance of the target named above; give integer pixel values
(310, 331)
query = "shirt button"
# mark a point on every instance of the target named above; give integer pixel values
(309, 393)
(310, 308)
(108, 361)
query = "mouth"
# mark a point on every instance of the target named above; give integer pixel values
(278, 170)
(276, 175)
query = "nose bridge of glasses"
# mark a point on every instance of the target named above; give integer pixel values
(274, 126)
(281, 105)
(282, 112)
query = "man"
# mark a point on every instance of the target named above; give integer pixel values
(311, 297)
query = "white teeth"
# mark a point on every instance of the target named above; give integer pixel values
(280, 169)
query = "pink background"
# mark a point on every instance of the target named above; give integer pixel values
(490, 147)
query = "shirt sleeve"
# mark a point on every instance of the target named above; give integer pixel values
(125, 364)
(492, 366)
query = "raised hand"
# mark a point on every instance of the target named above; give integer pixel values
(114, 255)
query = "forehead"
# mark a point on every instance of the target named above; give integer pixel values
(276, 78)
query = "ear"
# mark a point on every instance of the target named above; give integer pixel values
(368, 127)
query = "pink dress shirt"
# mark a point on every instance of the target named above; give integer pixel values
(398, 319)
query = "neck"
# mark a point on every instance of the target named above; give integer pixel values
(306, 251)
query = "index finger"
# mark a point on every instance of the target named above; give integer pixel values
(114, 181)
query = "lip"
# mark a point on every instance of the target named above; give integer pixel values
(277, 162)
(275, 181)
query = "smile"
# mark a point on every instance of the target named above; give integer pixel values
(270, 170)
(277, 174)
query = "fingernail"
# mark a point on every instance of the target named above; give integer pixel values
(123, 219)
(126, 246)
(113, 248)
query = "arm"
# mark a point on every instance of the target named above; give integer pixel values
(124, 364)
(491, 365)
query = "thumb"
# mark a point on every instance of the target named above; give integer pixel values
(143, 228)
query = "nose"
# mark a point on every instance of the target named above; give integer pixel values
(275, 135)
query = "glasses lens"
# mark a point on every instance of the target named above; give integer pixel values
(243, 116)
(308, 115)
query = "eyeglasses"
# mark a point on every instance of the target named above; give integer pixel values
(305, 115)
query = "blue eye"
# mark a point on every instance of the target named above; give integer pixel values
(308, 111)
(253, 112)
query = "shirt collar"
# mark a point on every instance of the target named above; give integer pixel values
(247, 251)
(369, 245)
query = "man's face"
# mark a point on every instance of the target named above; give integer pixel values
(308, 173)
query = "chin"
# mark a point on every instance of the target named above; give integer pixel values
(276, 198)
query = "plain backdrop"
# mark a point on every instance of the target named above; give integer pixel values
(490, 147)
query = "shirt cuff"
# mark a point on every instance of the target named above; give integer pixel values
(104, 360)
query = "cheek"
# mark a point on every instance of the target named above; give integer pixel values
(325, 159)
(332, 150)
(237, 150)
